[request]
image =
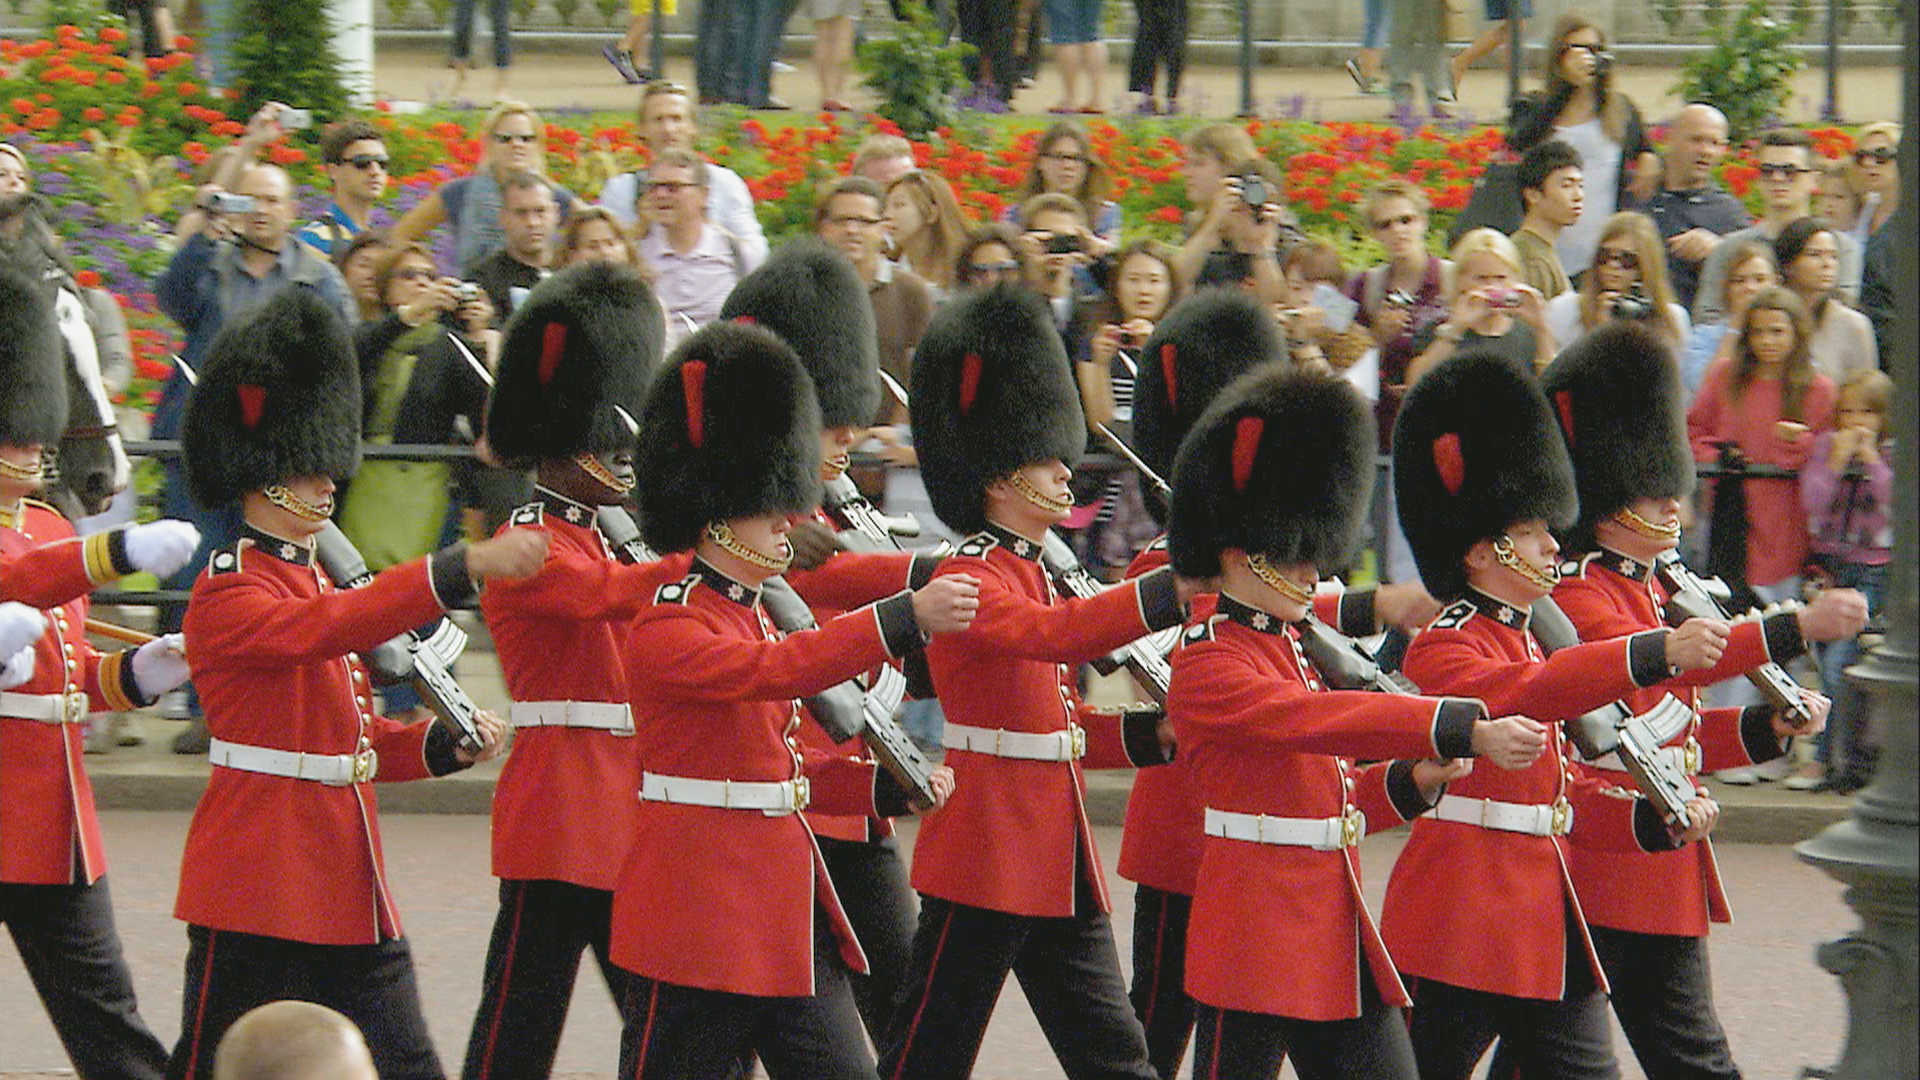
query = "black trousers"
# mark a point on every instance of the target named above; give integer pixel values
(1251, 1046)
(1159, 42)
(533, 961)
(372, 985)
(987, 25)
(1567, 1039)
(1068, 968)
(72, 954)
(872, 884)
(1159, 993)
(674, 1032)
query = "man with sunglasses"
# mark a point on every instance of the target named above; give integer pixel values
(1691, 208)
(1787, 178)
(356, 162)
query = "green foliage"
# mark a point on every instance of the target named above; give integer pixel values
(915, 72)
(523, 9)
(283, 51)
(1748, 73)
(60, 13)
(566, 9)
(610, 9)
(397, 9)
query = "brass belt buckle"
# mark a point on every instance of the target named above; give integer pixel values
(1562, 818)
(802, 793)
(366, 762)
(1079, 737)
(1353, 825)
(1690, 757)
(73, 708)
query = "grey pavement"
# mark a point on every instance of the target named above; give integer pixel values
(1781, 1010)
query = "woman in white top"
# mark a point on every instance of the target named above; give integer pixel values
(1808, 254)
(1628, 277)
(1580, 107)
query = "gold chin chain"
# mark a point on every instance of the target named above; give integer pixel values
(1635, 523)
(832, 468)
(601, 474)
(284, 498)
(1033, 495)
(1288, 590)
(25, 473)
(1504, 554)
(722, 535)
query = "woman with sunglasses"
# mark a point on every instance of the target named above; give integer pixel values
(1065, 164)
(1842, 342)
(1580, 107)
(1628, 280)
(512, 140)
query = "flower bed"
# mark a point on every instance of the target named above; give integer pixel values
(113, 142)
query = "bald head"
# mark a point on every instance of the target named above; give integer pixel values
(271, 219)
(293, 1040)
(1695, 146)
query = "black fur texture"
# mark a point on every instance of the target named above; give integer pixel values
(1616, 400)
(1516, 466)
(33, 405)
(760, 450)
(1307, 492)
(298, 352)
(1026, 407)
(1216, 335)
(614, 334)
(812, 298)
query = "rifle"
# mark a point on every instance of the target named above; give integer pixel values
(843, 711)
(423, 659)
(1615, 729)
(1690, 596)
(1345, 663)
(1144, 658)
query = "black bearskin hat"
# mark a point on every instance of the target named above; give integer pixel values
(731, 429)
(579, 353)
(992, 393)
(1616, 394)
(1207, 341)
(1475, 451)
(33, 405)
(278, 397)
(1281, 465)
(811, 296)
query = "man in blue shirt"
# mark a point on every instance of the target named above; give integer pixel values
(355, 158)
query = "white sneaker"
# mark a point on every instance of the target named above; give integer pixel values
(783, 67)
(1778, 769)
(1740, 777)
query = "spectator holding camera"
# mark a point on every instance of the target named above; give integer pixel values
(1807, 252)
(355, 158)
(1065, 165)
(1628, 280)
(1789, 176)
(1238, 240)
(1491, 309)
(1402, 296)
(925, 228)
(528, 214)
(1319, 320)
(1056, 244)
(1551, 187)
(421, 383)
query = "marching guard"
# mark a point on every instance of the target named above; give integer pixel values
(812, 298)
(53, 886)
(1616, 394)
(574, 370)
(1008, 874)
(282, 884)
(724, 912)
(1283, 958)
(1480, 910)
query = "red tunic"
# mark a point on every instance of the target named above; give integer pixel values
(563, 807)
(272, 646)
(1258, 730)
(725, 899)
(1482, 908)
(1606, 595)
(1007, 839)
(49, 834)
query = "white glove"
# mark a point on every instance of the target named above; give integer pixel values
(161, 547)
(20, 627)
(18, 668)
(160, 665)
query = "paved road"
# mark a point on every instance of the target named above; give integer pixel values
(1782, 1010)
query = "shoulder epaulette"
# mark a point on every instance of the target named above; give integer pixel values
(676, 592)
(977, 545)
(1577, 568)
(226, 560)
(1454, 615)
(532, 513)
(1200, 631)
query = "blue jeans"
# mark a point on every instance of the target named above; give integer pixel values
(1374, 36)
(500, 13)
(1073, 22)
(1840, 744)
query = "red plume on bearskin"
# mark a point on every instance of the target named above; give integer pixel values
(693, 384)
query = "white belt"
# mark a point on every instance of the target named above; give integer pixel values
(1068, 745)
(1320, 834)
(334, 770)
(1534, 819)
(599, 715)
(1684, 758)
(773, 799)
(46, 708)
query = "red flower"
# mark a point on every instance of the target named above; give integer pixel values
(87, 279)
(1168, 214)
(114, 78)
(23, 106)
(112, 35)
(187, 89)
(93, 114)
(183, 43)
